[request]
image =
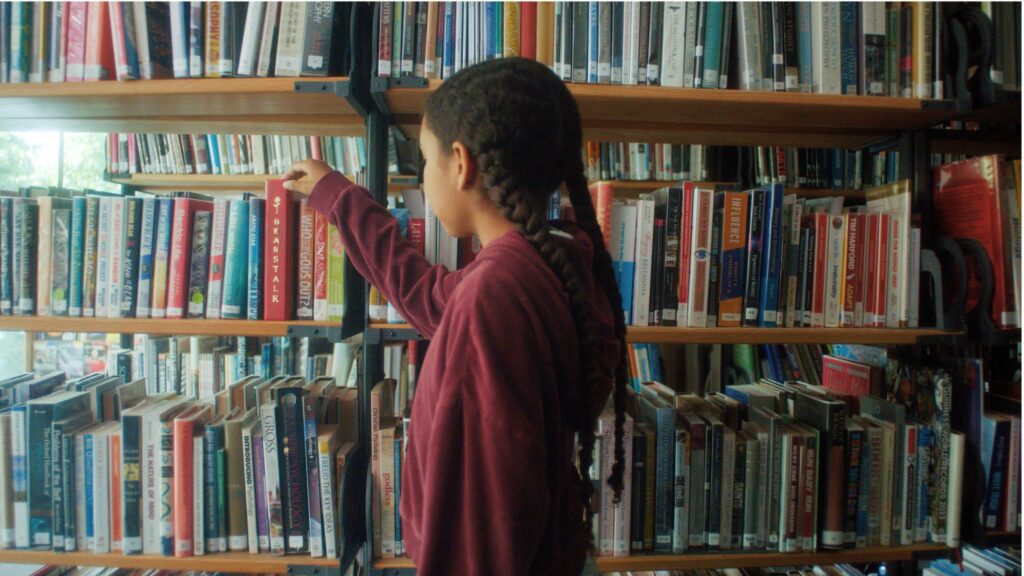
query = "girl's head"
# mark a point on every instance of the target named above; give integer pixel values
(502, 136)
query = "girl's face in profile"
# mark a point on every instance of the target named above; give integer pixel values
(449, 182)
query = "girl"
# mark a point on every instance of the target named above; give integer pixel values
(526, 342)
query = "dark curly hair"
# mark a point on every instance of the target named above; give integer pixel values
(522, 126)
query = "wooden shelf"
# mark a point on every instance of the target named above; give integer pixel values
(153, 326)
(631, 188)
(222, 562)
(231, 105)
(212, 183)
(708, 560)
(671, 335)
(721, 117)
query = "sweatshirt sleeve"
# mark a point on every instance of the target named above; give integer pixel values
(378, 251)
(485, 497)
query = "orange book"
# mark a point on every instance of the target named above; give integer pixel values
(116, 533)
(511, 26)
(545, 33)
(186, 426)
(602, 194)
(99, 43)
(733, 258)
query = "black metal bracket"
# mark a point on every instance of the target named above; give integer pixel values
(378, 88)
(340, 88)
(300, 570)
(375, 336)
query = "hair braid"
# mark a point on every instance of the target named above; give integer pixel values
(522, 125)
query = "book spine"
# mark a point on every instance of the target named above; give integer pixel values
(147, 236)
(260, 484)
(254, 307)
(312, 477)
(290, 40)
(167, 509)
(752, 504)
(771, 272)
(733, 259)
(275, 510)
(685, 256)
(681, 509)
(218, 241)
(835, 266)
(307, 257)
(40, 454)
(739, 483)
(321, 248)
(43, 254)
(184, 506)
(821, 245)
(77, 251)
(198, 494)
(296, 517)
(101, 493)
(211, 494)
(279, 242)
(703, 200)
(712, 46)
(161, 258)
(59, 260)
(726, 488)
(236, 257)
(198, 270)
(179, 271)
(755, 254)
(698, 485)
(130, 256)
(335, 276)
(80, 536)
(213, 30)
(115, 483)
(28, 237)
(713, 478)
(6, 257)
(326, 461)
(908, 485)
(922, 492)
(235, 503)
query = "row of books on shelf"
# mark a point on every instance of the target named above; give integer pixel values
(979, 561)
(879, 49)
(814, 570)
(84, 41)
(180, 257)
(705, 256)
(229, 153)
(97, 464)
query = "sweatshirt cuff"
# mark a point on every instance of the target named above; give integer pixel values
(327, 191)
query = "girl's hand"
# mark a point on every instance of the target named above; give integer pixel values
(304, 175)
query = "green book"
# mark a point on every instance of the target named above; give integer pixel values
(236, 262)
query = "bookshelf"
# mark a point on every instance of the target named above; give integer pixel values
(238, 562)
(671, 335)
(178, 327)
(721, 117)
(711, 561)
(220, 183)
(233, 105)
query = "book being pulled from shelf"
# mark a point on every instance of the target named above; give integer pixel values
(701, 255)
(813, 47)
(184, 256)
(99, 465)
(229, 153)
(88, 41)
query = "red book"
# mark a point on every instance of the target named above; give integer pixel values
(601, 195)
(185, 425)
(99, 44)
(418, 234)
(685, 251)
(853, 299)
(820, 223)
(279, 252)
(314, 146)
(131, 154)
(528, 30)
(320, 268)
(75, 47)
(809, 485)
(117, 33)
(384, 44)
(970, 203)
(116, 533)
(181, 253)
(112, 153)
(307, 261)
(845, 377)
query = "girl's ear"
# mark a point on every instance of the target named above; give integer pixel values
(465, 167)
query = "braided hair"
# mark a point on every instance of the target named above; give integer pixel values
(522, 126)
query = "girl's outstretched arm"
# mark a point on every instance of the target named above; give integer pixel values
(375, 245)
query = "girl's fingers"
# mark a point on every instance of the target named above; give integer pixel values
(297, 186)
(294, 174)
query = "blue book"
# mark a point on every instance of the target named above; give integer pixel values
(849, 14)
(147, 239)
(448, 58)
(162, 253)
(771, 259)
(490, 26)
(618, 11)
(838, 158)
(654, 361)
(214, 151)
(130, 49)
(266, 360)
(863, 493)
(712, 45)
(925, 445)
(20, 41)
(90, 527)
(77, 254)
(593, 40)
(255, 285)
(622, 240)
(804, 37)
(398, 492)
(236, 262)
(661, 417)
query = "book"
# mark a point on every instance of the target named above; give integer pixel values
(279, 245)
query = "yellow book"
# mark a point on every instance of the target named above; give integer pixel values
(511, 26)
(922, 48)
(546, 33)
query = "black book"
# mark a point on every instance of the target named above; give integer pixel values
(778, 48)
(738, 491)
(673, 198)
(790, 47)
(408, 37)
(618, 10)
(698, 59)
(156, 34)
(727, 27)
(639, 490)
(828, 417)
(657, 264)
(26, 229)
(643, 42)
(580, 31)
(654, 44)
(755, 253)
(199, 269)
(6, 257)
(130, 265)
(290, 396)
(564, 38)
(717, 214)
(713, 475)
(419, 56)
(233, 16)
(812, 241)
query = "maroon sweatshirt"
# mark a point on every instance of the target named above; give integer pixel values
(488, 484)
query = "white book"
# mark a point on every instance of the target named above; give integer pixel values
(198, 538)
(218, 241)
(19, 457)
(247, 58)
(605, 508)
(115, 259)
(825, 26)
(749, 49)
(147, 236)
(644, 247)
(914, 281)
(1012, 246)
(700, 257)
(783, 488)
(290, 39)
(100, 490)
(622, 239)
(267, 39)
(326, 453)
(835, 270)
(250, 489)
(629, 46)
(672, 44)
(179, 39)
(623, 510)
(387, 496)
(954, 490)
